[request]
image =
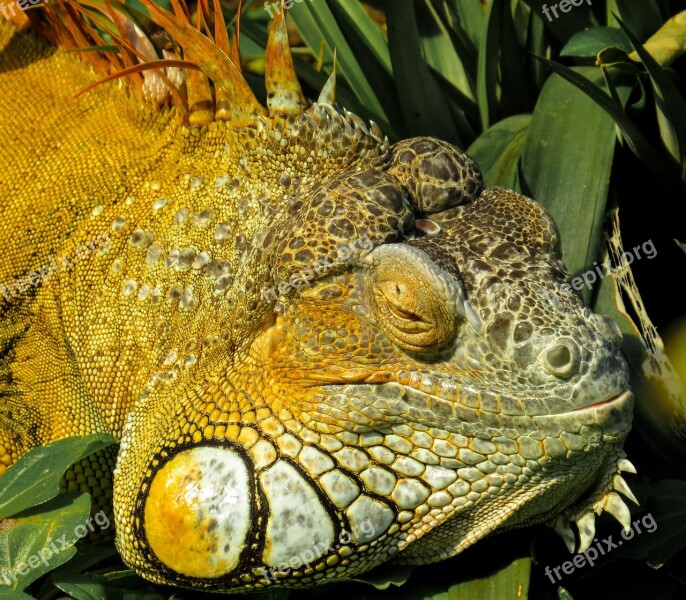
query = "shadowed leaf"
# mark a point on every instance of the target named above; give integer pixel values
(36, 477)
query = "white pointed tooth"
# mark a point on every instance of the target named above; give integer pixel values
(562, 527)
(619, 510)
(624, 464)
(586, 525)
(623, 488)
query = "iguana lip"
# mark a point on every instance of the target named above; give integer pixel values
(616, 398)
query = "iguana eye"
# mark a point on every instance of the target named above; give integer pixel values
(415, 301)
(397, 300)
(400, 313)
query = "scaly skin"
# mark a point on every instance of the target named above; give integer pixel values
(422, 383)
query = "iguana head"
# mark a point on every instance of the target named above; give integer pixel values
(397, 373)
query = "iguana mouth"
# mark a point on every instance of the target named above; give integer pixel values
(451, 399)
(616, 398)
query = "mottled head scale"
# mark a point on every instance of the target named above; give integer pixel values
(357, 352)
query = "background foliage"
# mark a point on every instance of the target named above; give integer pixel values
(586, 114)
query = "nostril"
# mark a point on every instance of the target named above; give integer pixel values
(561, 359)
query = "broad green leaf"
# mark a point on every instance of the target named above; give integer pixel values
(638, 143)
(668, 43)
(590, 42)
(41, 540)
(35, 478)
(566, 165)
(498, 150)
(613, 56)
(669, 103)
(510, 582)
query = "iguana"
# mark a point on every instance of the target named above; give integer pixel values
(319, 351)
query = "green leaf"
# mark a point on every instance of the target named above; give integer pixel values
(471, 17)
(11, 595)
(680, 244)
(643, 18)
(638, 143)
(669, 103)
(515, 95)
(487, 70)
(368, 30)
(464, 22)
(498, 150)
(41, 539)
(567, 162)
(120, 585)
(537, 46)
(369, 45)
(665, 515)
(35, 478)
(590, 42)
(510, 582)
(442, 56)
(423, 104)
(317, 25)
(668, 43)
(385, 576)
